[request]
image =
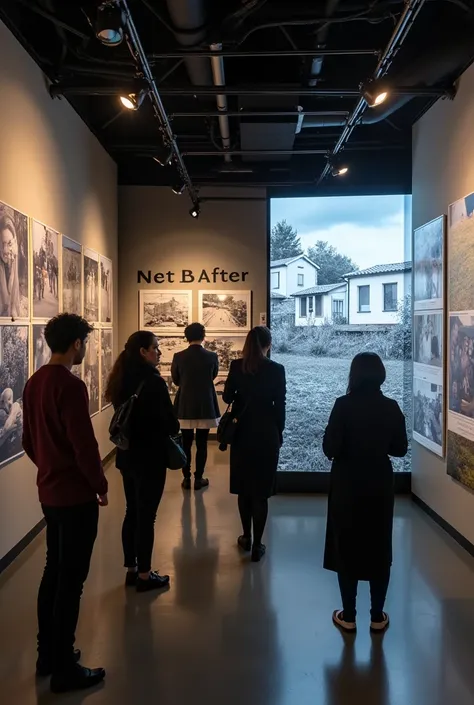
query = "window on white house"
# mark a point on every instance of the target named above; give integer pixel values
(337, 307)
(390, 297)
(318, 307)
(310, 305)
(300, 279)
(275, 280)
(303, 307)
(364, 299)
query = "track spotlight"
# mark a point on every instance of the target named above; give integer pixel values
(109, 26)
(340, 171)
(195, 211)
(338, 167)
(375, 93)
(132, 101)
(164, 156)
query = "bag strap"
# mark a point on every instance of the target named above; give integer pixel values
(139, 389)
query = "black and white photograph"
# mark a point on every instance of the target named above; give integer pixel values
(72, 276)
(14, 251)
(461, 365)
(428, 252)
(13, 377)
(91, 286)
(225, 310)
(227, 347)
(106, 289)
(219, 384)
(165, 310)
(41, 351)
(428, 339)
(169, 345)
(91, 371)
(106, 362)
(428, 426)
(45, 271)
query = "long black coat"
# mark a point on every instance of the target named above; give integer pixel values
(194, 370)
(153, 420)
(363, 431)
(259, 403)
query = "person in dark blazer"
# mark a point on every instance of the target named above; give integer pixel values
(364, 429)
(193, 371)
(143, 465)
(256, 387)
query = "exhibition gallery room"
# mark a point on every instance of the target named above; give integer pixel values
(266, 495)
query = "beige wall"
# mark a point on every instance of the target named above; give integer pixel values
(53, 169)
(157, 233)
(443, 171)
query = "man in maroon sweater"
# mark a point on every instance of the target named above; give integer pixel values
(59, 438)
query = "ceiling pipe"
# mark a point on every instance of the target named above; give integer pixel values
(407, 18)
(287, 53)
(263, 113)
(189, 28)
(321, 36)
(217, 65)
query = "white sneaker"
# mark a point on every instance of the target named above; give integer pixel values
(339, 621)
(380, 626)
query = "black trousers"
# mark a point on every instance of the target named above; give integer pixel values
(378, 594)
(70, 536)
(202, 437)
(143, 493)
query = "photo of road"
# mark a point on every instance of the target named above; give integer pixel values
(225, 310)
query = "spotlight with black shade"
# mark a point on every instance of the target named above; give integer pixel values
(338, 166)
(195, 211)
(133, 101)
(375, 92)
(109, 25)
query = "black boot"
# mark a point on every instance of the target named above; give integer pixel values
(78, 678)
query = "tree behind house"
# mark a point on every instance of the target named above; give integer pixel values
(284, 242)
(332, 265)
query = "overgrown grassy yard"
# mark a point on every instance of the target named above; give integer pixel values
(313, 384)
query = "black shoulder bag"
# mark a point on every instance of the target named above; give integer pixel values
(119, 428)
(228, 426)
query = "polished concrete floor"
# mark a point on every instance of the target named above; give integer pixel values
(232, 633)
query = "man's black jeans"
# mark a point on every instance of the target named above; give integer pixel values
(202, 437)
(143, 492)
(70, 536)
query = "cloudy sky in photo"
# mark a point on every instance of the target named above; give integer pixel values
(368, 229)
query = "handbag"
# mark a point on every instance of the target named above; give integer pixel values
(227, 426)
(119, 427)
(175, 456)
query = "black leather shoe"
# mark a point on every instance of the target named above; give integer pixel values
(200, 483)
(258, 551)
(186, 483)
(154, 582)
(78, 679)
(44, 667)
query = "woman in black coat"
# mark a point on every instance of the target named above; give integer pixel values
(364, 429)
(143, 465)
(256, 387)
(194, 370)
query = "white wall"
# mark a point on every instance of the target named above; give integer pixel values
(376, 315)
(326, 309)
(443, 171)
(309, 272)
(54, 170)
(282, 271)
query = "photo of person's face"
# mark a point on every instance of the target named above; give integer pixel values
(8, 247)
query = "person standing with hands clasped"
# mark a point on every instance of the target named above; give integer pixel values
(194, 370)
(58, 437)
(364, 429)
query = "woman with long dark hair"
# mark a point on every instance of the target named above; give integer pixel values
(256, 387)
(364, 430)
(143, 465)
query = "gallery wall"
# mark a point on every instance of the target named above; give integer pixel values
(443, 172)
(157, 235)
(53, 171)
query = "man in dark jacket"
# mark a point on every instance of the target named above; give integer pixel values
(58, 437)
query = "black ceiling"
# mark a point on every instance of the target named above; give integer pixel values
(438, 47)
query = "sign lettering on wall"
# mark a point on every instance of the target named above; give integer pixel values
(189, 276)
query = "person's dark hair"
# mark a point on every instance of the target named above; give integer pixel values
(195, 333)
(258, 339)
(367, 373)
(129, 357)
(62, 331)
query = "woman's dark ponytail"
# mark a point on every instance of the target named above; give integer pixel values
(258, 340)
(129, 356)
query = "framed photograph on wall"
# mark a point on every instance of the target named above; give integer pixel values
(225, 310)
(106, 290)
(428, 265)
(428, 415)
(106, 362)
(228, 348)
(91, 371)
(41, 353)
(14, 259)
(169, 345)
(165, 311)
(72, 294)
(91, 286)
(45, 278)
(14, 370)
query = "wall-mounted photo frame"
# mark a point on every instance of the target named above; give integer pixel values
(14, 264)
(428, 265)
(165, 311)
(106, 290)
(106, 362)
(45, 270)
(92, 372)
(228, 348)
(14, 373)
(72, 297)
(169, 346)
(91, 285)
(229, 311)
